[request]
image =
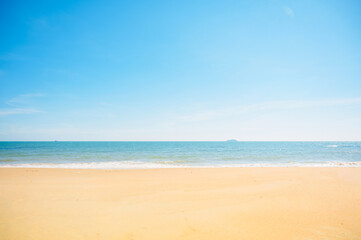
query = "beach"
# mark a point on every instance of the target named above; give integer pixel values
(183, 203)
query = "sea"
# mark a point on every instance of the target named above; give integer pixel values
(144, 155)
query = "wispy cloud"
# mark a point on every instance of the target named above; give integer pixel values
(23, 99)
(40, 23)
(266, 106)
(21, 105)
(13, 57)
(289, 11)
(13, 111)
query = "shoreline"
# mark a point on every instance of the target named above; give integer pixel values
(181, 203)
(156, 165)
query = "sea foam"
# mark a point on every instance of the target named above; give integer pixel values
(148, 165)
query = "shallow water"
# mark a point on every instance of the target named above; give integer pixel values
(125, 155)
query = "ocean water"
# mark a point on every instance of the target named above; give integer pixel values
(133, 155)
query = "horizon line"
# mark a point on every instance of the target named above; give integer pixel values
(229, 140)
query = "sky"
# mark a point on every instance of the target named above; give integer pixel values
(180, 70)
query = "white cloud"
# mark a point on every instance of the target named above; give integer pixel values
(21, 105)
(23, 99)
(6, 112)
(266, 106)
(289, 11)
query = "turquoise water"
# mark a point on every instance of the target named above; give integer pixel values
(125, 155)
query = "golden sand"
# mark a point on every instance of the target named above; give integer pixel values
(224, 203)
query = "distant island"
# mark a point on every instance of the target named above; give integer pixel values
(232, 140)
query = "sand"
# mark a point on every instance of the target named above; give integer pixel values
(223, 203)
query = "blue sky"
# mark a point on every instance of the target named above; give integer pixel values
(180, 70)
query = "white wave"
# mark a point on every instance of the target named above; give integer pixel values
(332, 146)
(149, 165)
(95, 165)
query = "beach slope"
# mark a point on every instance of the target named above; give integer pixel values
(221, 203)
